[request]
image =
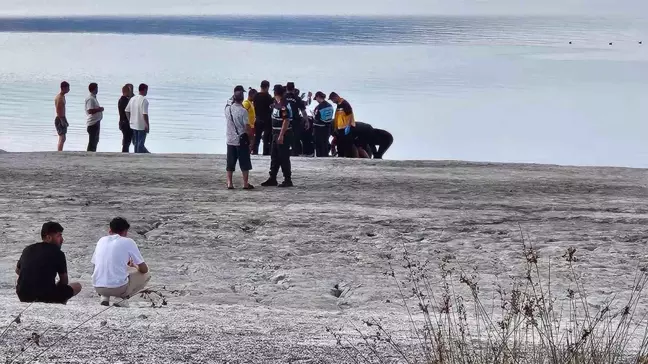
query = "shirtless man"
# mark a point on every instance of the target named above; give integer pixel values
(60, 122)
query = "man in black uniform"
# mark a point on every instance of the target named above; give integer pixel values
(38, 267)
(366, 137)
(282, 135)
(323, 116)
(263, 124)
(362, 139)
(299, 123)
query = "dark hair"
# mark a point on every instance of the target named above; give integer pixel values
(119, 225)
(92, 87)
(279, 90)
(265, 84)
(64, 84)
(333, 94)
(142, 87)
(320, 94)
(239, 88)
(49, 228)
(290, 86)
(252, 92)
(238, 97)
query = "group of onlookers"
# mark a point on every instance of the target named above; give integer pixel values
(119, 268)
(133, 117)
(282, 122)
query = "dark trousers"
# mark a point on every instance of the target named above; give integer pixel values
(93, 136)
(262, 132)
(298, 129)
(280, 155)
(127, 138)
(139, 139)
(384, 141)
(307, 140)
(322, 135)
(345, 144)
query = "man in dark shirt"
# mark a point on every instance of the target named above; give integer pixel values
(38, 267)
(362, 139)
(323, 116)
(299, 122)
(263, 125)
(282, 135)
(124, 124)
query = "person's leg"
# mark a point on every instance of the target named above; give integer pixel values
(63, 293)
(136, 282)
(307, 141)
(274, 161)
(136, 145)
(61, 142)
(284, 158)
(144, 135)
(127, 138)
(245, 163)
(321, 141)
(296, 140)
(232, 157)
(106, 293)
(267, 137)
(93, 137)
(258, 134)
(384, 145)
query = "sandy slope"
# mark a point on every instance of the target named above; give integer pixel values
(253, 272)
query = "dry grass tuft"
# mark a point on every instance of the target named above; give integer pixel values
(530, 323)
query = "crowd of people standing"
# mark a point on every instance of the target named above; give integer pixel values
(282, 123)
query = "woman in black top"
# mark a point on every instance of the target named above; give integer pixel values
(124, 123)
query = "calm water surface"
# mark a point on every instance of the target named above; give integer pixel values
(475, 88)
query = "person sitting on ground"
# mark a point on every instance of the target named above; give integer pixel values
(119, 269)
(38, 267)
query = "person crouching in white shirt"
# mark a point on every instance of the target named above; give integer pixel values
(119, 269)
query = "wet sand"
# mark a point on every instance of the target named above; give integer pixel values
(250, 276)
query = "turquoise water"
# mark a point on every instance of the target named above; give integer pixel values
(487, 88)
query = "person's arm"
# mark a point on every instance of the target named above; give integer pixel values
(18, 268)
(145, 106)
(60, 108)
(127, 110)
(284, 125)
(136, 259)
(93, 107)
(62, 270)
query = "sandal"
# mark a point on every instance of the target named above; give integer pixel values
(230, 187)
(248, 187)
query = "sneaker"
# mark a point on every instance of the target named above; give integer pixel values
(286, 183)
(122, 304)
(105, 301)
(271, 182)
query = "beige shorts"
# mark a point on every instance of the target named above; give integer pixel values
(136, 282)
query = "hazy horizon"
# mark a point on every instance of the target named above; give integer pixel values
(332, 7)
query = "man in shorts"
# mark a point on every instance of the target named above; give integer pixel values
(239, 140)
(38, 267)
(60, 122)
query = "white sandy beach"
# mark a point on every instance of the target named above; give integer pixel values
(248, 276)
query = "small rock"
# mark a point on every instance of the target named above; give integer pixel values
(17, 319)
(371, 235)
(278, 278)
(103, 323)
(143, 317)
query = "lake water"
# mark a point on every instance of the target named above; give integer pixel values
(506, 89)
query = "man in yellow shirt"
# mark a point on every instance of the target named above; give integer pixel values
(248, 104)
(343, 125)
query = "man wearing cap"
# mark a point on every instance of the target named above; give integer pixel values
(299, 123)
(323, 116)
(238, 140)
(343, 124)
(263, 124)
(282, 135)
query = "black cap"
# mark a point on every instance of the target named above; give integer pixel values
(320, 94)
(290, 86)
(239, 88)
(332, 95)
(278, 88)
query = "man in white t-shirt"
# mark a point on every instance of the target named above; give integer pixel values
(137, 114)
(94, 114)
(119, 269)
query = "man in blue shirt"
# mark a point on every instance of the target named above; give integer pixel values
(323, 116)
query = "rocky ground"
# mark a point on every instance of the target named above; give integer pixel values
(258, 276)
